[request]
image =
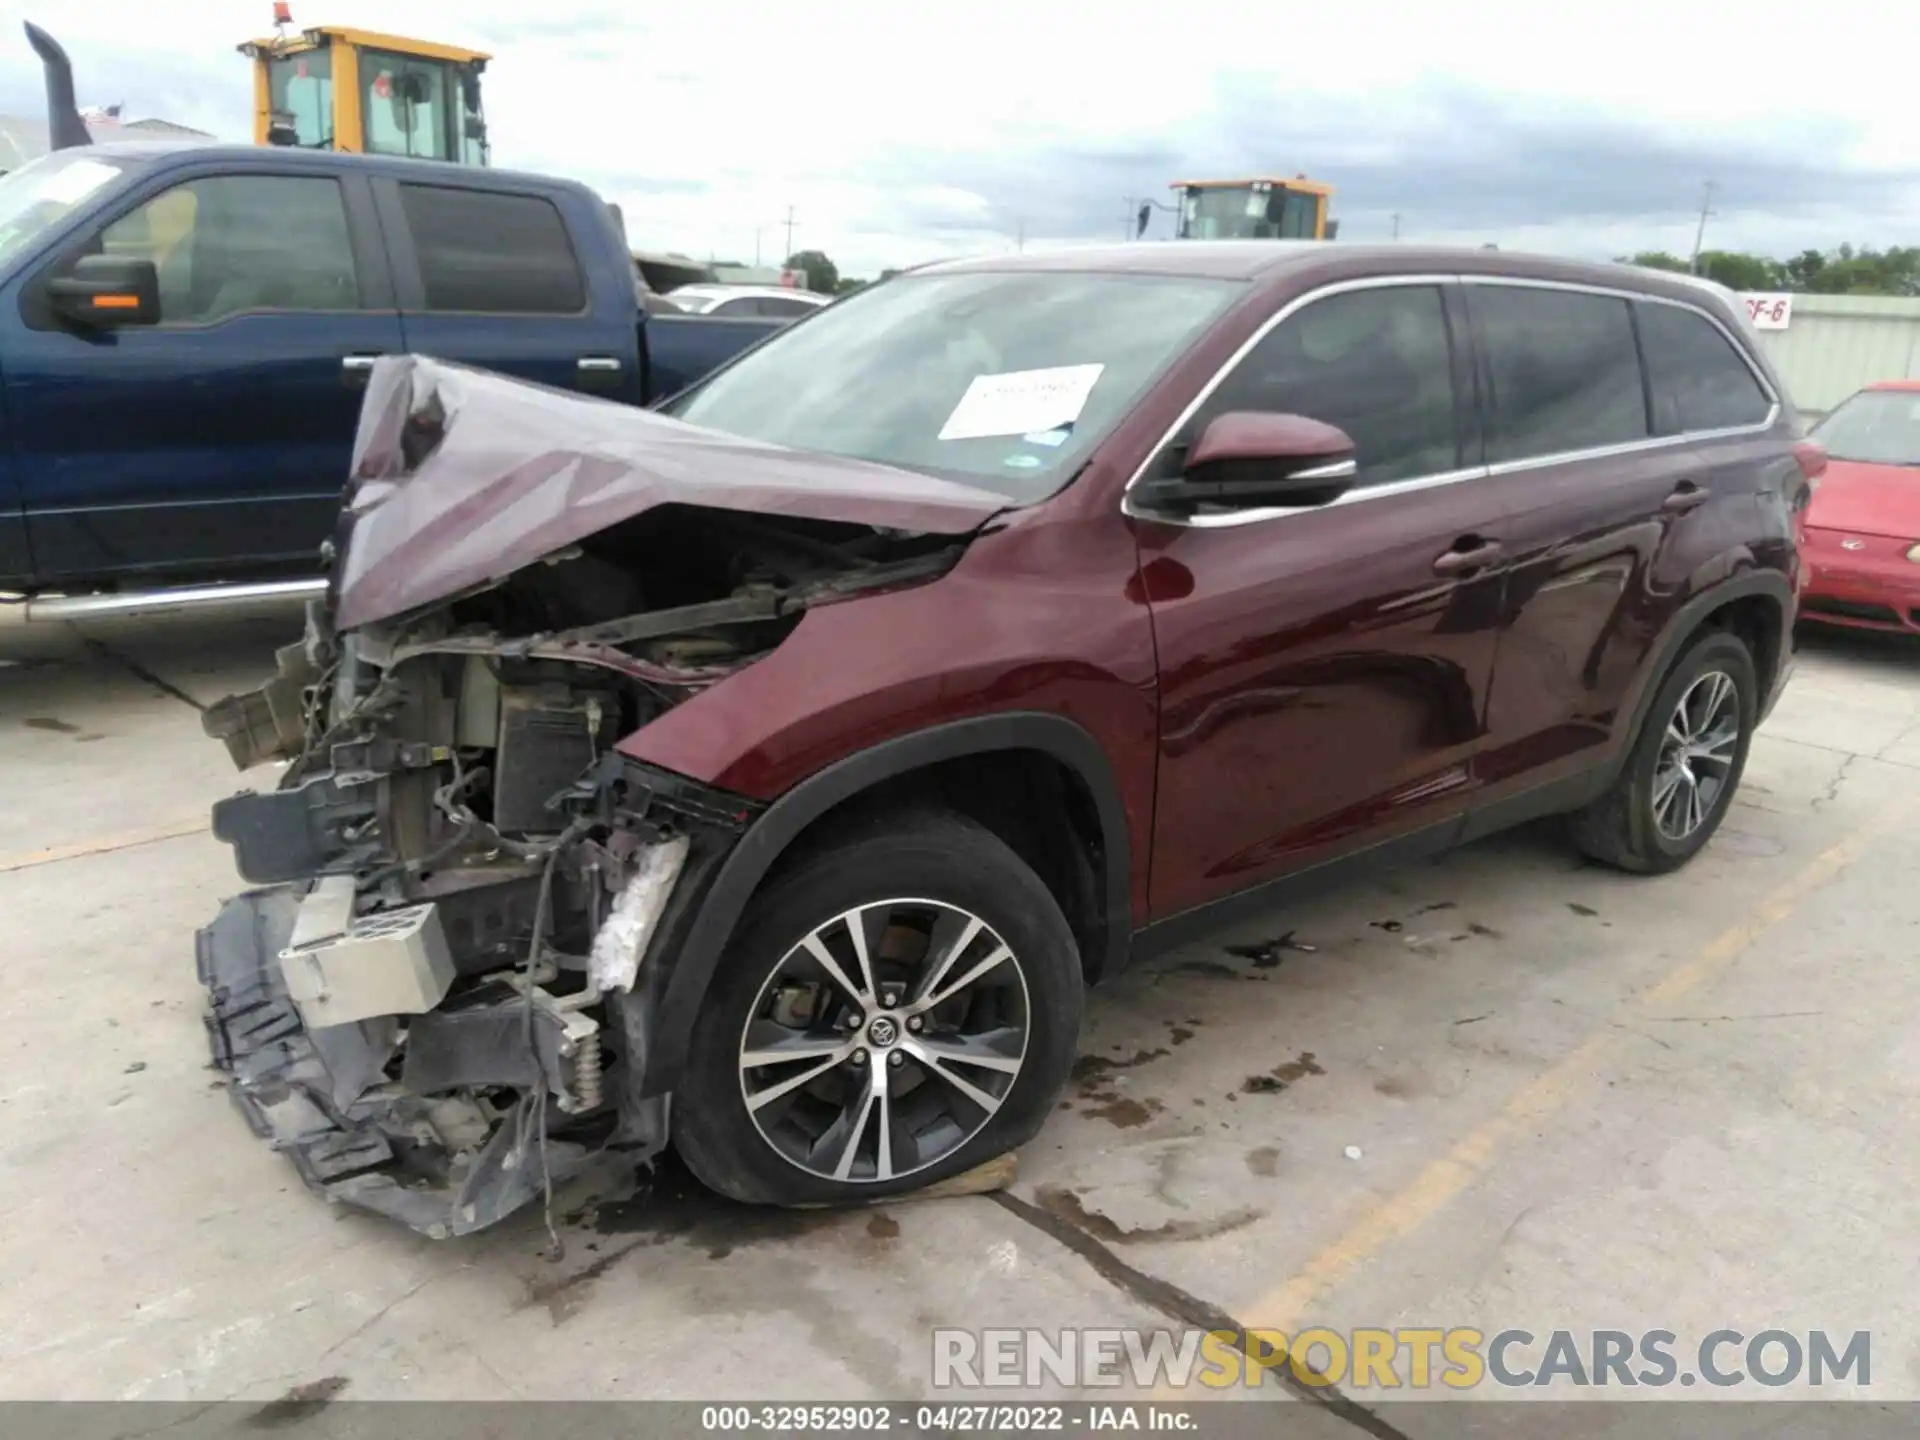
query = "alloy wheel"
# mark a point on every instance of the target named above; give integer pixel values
(884, 1040)
(1696, 754)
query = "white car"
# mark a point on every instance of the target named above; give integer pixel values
(741, 300)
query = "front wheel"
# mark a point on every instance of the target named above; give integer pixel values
(1685, 764)
(898, 1007)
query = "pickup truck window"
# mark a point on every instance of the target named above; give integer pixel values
(229, 243)
(37, 196)
(492, 253)
(881, 374)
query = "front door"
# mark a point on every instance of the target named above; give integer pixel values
(218, 439)
(1324, 672)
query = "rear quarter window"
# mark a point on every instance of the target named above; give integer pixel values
(1564, 368)
(1699, 380)
(493, 253)
(776, 305)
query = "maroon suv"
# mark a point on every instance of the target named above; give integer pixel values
(796, 754)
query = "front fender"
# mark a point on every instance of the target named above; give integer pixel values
(688, 954)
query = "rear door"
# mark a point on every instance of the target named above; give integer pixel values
(495, 278)
(1323, 672)
(219, 439)
(1615, 471)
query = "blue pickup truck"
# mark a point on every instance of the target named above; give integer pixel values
(186, 333)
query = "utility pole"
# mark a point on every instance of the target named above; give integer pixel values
(1699, 235)
(1133, 216)
(789, 231)
(756, 245)
(1396, 224)
(1020, 233)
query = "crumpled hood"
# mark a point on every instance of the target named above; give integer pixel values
(1866, 499)
(461, 477)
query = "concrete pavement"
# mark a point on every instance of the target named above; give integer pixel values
(1502, 1090)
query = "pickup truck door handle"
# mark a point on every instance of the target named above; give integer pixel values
(354, 369)
(598, 372)
(1686, 496)
(1469, 552)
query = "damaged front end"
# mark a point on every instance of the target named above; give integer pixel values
(438, 999)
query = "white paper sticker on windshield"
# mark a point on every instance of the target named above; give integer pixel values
(1020, 402)
(75, 181)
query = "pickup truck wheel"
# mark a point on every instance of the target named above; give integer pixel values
(1685, 764)
(898, 1007)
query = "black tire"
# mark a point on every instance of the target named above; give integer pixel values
(930, 855)
(1620, 828)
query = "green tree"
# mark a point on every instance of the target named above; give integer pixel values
(1803, 269)
(847, 285)
(823, 276)
(1739, 271)
(1843, 270)
(1654, 260)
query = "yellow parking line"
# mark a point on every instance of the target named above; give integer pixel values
(1398, 1215)
(26, 860)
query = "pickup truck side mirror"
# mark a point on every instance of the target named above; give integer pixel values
(1250, 459)
(107, 291)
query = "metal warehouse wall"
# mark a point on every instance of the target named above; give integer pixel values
(1834, 344)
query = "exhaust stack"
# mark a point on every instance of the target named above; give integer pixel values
(65, 128)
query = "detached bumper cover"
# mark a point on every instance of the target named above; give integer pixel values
(317, 1094)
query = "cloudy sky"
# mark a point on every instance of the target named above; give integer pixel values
(901, 132)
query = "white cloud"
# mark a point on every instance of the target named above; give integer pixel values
(898, 132)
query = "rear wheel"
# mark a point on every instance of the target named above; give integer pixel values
(1685, 764)
(898, 1007)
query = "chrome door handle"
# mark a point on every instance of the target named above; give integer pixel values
(354, 369)
(599, 365)
(1686, 496)
(1469, 554)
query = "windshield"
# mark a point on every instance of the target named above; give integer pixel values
(1003, 380)
(408, 104)
(300, 94)
(1243, 213)
(1879, 427)
(37, 197)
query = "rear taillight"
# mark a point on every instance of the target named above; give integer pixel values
(1812, 456)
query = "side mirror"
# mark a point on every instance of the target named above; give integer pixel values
(107, 291)
(1249, 459)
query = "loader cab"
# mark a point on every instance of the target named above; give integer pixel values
(1257, 209)
(332, 88)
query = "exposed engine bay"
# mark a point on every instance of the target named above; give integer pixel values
(438, 1001)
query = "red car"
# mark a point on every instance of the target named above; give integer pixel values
(1861, 534)
(796, 755)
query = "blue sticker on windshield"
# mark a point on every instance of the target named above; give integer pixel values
(1023, 462)
(1048, 437)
